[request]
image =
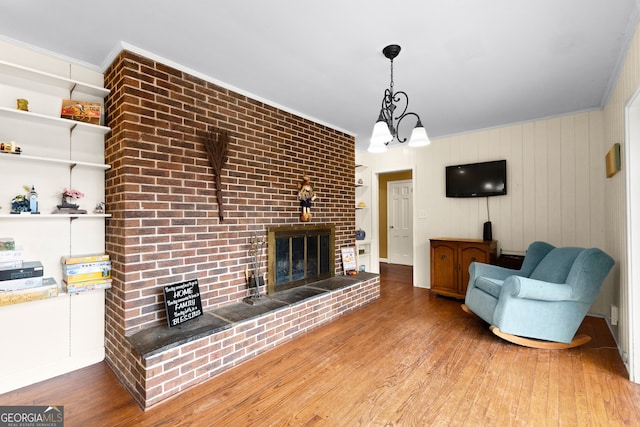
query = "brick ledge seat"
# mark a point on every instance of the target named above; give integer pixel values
(158, 339)
(165, 362)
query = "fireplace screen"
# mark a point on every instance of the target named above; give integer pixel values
(299, 255)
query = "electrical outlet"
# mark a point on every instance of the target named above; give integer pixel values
(614, 315)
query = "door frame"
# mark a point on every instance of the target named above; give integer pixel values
(631, 273)
(375, 214)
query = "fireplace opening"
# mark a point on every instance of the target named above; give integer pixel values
(298, 255)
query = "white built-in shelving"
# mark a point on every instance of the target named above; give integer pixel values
(363, 217)
(55, 335)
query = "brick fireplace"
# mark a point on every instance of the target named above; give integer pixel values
(165, 227)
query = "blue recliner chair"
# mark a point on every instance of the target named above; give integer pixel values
(542, 304)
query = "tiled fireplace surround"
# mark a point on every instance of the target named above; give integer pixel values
(165, 228)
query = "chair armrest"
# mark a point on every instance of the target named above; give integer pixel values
(478, 269)
(523, 287)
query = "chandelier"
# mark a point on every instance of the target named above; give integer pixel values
(387, 126)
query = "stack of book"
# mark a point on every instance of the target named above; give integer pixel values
(86, 272)
(22, 281)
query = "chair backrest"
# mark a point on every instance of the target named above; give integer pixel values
(587, 274)
(555, 266)
(535, 253)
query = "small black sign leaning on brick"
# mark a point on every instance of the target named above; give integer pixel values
(182, 302)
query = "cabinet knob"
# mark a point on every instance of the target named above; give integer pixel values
(443, 257)
(473, 259)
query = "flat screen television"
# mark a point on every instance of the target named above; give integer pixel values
(477, 179)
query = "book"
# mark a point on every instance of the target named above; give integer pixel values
(28, 269)
(48, 289)
(83, 259)
(73, 288)
(10, 264)
(17, 284)
(83, 277)
(86, 267)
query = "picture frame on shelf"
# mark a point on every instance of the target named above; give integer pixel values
(349, 262)
(81, 111)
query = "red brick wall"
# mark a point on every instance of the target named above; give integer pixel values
(161, 194)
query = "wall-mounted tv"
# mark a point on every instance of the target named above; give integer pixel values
(477, 179)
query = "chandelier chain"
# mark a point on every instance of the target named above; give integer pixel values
(391, 87)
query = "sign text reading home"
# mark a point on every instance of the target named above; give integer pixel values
(182, 302)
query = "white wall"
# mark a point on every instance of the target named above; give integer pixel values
(616, 207)
(556, 181)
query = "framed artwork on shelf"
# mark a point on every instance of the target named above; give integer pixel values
(81, 111)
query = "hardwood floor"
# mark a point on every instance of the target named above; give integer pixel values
(408, 359)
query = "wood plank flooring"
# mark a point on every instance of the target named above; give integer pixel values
(408, 359)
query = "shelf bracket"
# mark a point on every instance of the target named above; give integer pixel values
(72, 89)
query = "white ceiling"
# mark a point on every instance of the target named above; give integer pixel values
(466, 64)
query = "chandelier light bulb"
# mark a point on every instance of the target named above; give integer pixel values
(419, 136)
(381, 133)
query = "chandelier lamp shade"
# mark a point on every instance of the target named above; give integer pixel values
(387, 126)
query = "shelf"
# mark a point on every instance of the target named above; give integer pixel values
(10, 69)
(72, 163)
(58, 216)
(13, 113)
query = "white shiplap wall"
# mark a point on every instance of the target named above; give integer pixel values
(556, 181)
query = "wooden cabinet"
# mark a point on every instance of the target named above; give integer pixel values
(450, 259)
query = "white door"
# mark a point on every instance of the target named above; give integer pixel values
(400, 222)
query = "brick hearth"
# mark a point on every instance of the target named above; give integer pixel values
(173, 360)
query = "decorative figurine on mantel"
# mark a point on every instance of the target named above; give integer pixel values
(306, 194)
(69, 208)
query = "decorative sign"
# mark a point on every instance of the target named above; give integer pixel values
(182, 302)
(349, 260)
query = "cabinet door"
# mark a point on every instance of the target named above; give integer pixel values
(469, 253)
(443, 267)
